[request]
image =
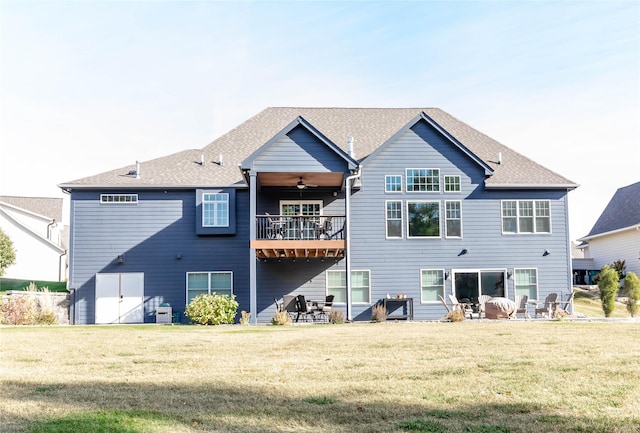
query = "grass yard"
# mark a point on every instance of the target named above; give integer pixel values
(482, 377)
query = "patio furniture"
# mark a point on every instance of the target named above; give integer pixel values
(324, 309)
(547, 306)
(323, 228)
(464, 307)
(445, 304)
(289, 305)
(500, 308)
(564, 305)
(521, 306)
(481, 301)
(303, 309)
(275, 228)
(279, 306)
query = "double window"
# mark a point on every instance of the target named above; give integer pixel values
(207, 283)
(526, 216)
(360, 286)
(215, 209)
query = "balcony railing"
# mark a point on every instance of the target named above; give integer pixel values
(287, 227)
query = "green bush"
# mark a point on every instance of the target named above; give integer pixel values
(608, 285)
(212, 309)
(631, 290)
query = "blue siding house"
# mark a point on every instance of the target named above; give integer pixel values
(359, 203)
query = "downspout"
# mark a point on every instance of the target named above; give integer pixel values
(52, 223)
(347, 227)
(64, 253)
(253, 290)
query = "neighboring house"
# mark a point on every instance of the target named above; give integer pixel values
(34, 225)
(616, 233)
(415, 203)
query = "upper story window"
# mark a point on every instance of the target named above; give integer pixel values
(215, 210)
(423, 219)
(452, 184)
(393, 183)
(453, 216)
(423, 179)
(119, 198)
(394, 218)
(526, 216)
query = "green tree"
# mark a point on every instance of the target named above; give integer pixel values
(7, 253)
(608, 285)
(631, 290)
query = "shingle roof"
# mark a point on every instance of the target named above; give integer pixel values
(370, 128)
(622, 211)
(44, 206)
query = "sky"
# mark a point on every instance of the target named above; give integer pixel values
(87, 86)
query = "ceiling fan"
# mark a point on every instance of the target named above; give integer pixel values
(301, 185)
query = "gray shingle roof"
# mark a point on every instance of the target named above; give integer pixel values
(44, 206)
(370, 128)
(622, 211)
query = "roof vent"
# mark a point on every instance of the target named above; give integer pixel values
(500, 158)
(201, 159)
(220, 160)
(137, 169)
(350, 146)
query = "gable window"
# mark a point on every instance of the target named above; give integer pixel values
(215, 210)
(526, 216)
(423, 179)
(431, 285)
(423, 219)
(393, 183)
(119, 198)
(452, 184)
(394, 219)
(207, 283)
(453, 216)
(526, 282)
(337, 286)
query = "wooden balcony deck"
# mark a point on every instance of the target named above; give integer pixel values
(290, 237)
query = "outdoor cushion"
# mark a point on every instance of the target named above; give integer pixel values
(500, 308)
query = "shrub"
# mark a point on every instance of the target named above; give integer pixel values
(631, 290)
(457, 315)
(378, 313)
(608, 285)
(281, 318)
(244, 317)
(19, 310)
(336, 317)
(212, 309)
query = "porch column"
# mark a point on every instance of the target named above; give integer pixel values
(253, 298)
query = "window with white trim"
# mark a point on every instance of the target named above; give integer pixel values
(423, 179)
(215, 209)
(394, 218)
(431, 285)
(526, 282)
(207, 283)
(453, 217)
(360, 286)
(393, 183)
(423, 219)
(526, 216)
(452, 184)
(119, 198)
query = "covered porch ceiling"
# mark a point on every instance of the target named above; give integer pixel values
(291, 179)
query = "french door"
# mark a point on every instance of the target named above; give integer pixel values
(300, 218)
(119, 298)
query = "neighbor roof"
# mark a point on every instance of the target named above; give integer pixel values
(623, 211)
(370, 128)
(44, 206)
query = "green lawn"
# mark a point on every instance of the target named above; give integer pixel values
(483, 377)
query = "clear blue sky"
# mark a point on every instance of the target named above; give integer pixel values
(87, 87)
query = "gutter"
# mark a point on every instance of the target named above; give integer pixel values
(348, 240)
